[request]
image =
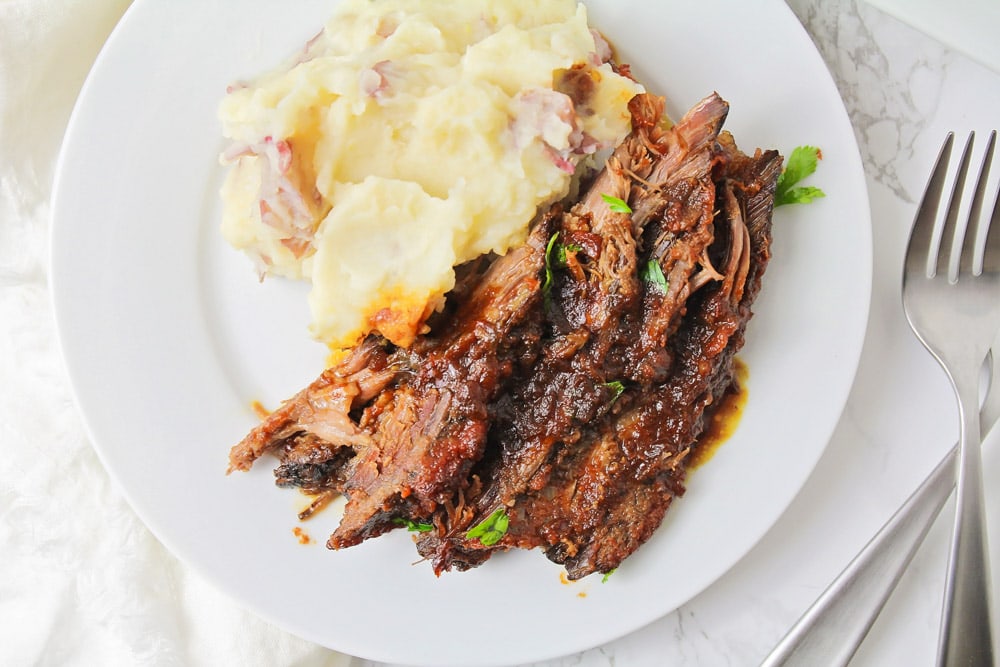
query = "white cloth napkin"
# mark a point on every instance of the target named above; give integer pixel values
(82, 581)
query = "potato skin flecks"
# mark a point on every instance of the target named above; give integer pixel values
(408, 138)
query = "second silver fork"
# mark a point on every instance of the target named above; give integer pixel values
(955, 314)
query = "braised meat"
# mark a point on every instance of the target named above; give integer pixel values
(397, 430)
(555, 401)
(613, 323)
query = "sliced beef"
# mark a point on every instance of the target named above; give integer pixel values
(642, 454)
(323, 409)
(598, 308)
(564, 385)
(398, 430)
(600, 494)
(431, 429)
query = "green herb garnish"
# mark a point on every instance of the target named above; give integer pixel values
(616, 387)
(608, 574)
(491, 529)
(555, 257)
(561, 249)
(414, 526)
(547, 284)
(615, 204)
(800, 164)
(652, 273)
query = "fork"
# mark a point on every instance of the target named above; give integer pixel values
(955, 312)
(831, 630)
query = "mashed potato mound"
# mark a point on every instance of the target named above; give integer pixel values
(408, 137)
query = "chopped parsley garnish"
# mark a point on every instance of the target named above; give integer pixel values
(547, 284)
(615, 204)
(413, 526)
(616, 387)
(491, 529)
(561, 249)
(555, 257)
(799, 165)
(607, 575)
(652, 273)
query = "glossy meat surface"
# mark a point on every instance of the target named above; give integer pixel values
(566, 383)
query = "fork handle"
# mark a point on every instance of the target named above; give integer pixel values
(832, 629)
(966, 632)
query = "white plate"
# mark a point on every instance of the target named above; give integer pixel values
(168, 336)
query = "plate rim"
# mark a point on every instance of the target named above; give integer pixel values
(56, 278)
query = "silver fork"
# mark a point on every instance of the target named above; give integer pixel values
(955, 314)
(831, 630)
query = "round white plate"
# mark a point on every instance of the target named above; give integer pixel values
(168, 336)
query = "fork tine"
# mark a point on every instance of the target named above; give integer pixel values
(967, 262)
(922, 233)
(991, 250)
(951, 232)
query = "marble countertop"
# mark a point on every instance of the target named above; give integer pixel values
(903, 92)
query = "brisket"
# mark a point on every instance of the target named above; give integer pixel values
(564, 385)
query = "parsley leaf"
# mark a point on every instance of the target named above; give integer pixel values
(413, 526)
(555, 257)
(491, 529)
(652, 273)
(547, 284)
(799, 165)
(607, 575)
(802, 195)
(615, 204)
(617, 387)
(561, 250)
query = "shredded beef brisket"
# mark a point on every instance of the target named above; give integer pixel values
(566, 383)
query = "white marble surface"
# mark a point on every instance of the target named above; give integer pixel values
(902, 90)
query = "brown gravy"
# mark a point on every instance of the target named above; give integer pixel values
(725, 420)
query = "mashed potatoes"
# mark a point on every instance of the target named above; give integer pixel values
(406, 138)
